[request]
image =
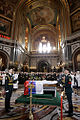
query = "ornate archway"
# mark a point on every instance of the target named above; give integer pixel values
(43, 66)
(4, 61)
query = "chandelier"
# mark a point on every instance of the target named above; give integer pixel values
(44, 46)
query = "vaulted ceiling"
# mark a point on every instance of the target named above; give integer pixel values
(40, 13)
(36, 5)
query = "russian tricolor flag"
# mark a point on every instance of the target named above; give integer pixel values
(38, 87)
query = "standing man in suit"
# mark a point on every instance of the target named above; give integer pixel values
(8, 89)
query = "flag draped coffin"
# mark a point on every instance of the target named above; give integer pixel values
(38, 87)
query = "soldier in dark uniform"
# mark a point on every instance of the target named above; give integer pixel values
(68, 91)
(8, 89)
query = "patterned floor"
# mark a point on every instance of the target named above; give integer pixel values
(40, 112)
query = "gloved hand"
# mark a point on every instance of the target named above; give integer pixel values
(62, 94)
(61, 85)
(7, 91)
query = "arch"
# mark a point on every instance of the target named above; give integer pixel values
(5, 60)
(76, 63)
(43, 66)
(43, 30)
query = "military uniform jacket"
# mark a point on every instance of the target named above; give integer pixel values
(68, 82)
(8, 82)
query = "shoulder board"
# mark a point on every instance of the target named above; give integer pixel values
(8, 76)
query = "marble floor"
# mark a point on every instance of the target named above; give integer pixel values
(40, 112)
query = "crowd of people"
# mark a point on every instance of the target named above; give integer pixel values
(21, 77)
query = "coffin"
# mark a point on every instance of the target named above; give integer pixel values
(47, 98)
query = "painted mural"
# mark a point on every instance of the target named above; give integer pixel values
(75, 21)
(42, 15)
(6, 9)
(74, 4)
(5, 26)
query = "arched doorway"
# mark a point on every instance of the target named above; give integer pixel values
(3, 61)
(77, 61)
(43, 66)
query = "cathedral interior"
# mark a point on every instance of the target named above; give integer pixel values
(28, 27)
(39, 36)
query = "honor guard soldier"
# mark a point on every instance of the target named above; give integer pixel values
(68, 91)
(8, 89)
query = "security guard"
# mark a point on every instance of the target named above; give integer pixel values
(68, 91)
(8, 89)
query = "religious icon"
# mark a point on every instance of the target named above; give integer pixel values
(5, 26)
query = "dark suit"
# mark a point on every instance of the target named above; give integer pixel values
(8, 89)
